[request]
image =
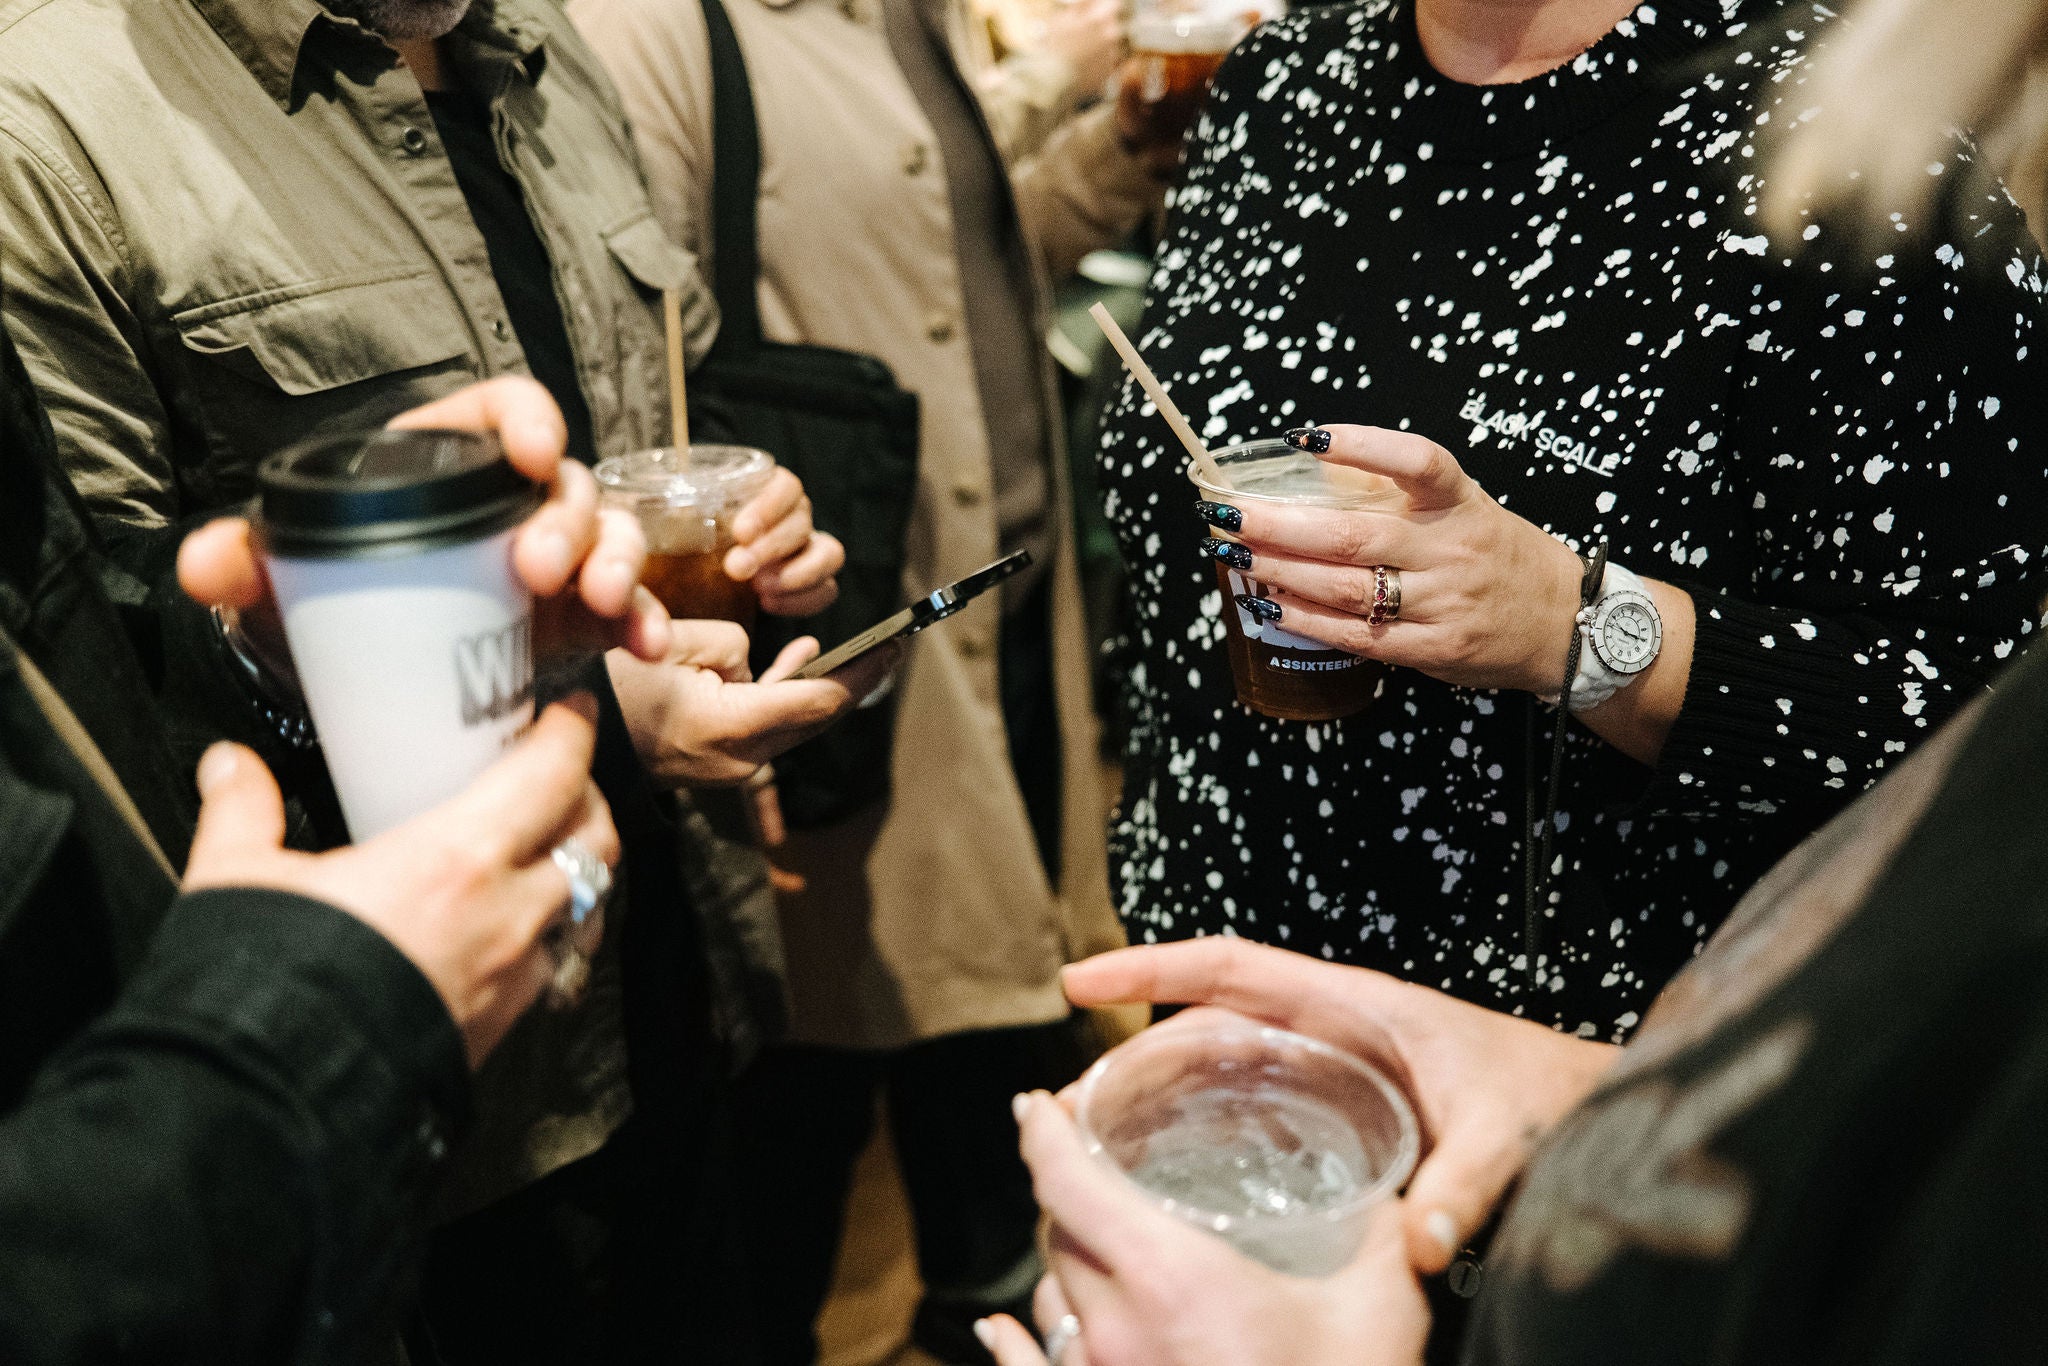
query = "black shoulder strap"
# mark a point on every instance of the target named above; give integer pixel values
(735, 188)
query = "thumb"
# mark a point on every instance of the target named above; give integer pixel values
(241, 813)
(1456, 1189)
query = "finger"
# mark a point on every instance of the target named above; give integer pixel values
(780, 542)
(1049, 1303)
(522, 414)
(648, 633)
(540, 889)
(1457, 1187)
(612, 569)
(1103, 1215)
(1007, 1341)
(218, 565)
(861, 677)
(241, 813)
(778, 715)
(1426, 472)
(1353, 536)
(557, 537)
(778, 498)
(808, 603)
(821, 557)
(515, 809)
(1275, 984)
(720, 646)
(1345, 590)
(1411, 644)
(794, 656)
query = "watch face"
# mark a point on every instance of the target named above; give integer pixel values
(1628, 633)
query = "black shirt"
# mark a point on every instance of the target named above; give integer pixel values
(519, 259)
(1841, 454)
(1830, 1141)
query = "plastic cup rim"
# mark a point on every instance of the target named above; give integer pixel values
(1274, 446)
(1407, 1150)
(677, 488)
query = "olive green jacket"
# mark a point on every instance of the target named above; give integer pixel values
(232, 223)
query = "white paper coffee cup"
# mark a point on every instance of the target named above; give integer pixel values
(390, 554)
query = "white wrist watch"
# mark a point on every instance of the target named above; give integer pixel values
(1622, 635)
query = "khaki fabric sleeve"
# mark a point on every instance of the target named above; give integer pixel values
(658, 56)
(62, 297)
(1083, 191)
(1025, 97)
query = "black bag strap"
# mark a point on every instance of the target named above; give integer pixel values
(735, 190)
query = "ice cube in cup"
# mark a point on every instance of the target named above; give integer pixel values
(1276, 1142)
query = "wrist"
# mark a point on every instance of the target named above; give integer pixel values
(1557, 617)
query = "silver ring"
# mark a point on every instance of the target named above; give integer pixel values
(590, 880)
(1060, 1338)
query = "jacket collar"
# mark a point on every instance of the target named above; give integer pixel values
(269, 37)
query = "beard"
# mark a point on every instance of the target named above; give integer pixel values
(404, 21)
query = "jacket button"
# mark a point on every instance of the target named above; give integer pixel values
(413, 140)
(939, 328)
(967, 495)
(973, 647)
(502, 330)
(916, 156)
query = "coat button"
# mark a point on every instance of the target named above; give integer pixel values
(973, 647)
(916, 157)
(939, 328)
(502, 330)
(967, 495)
(413, 140)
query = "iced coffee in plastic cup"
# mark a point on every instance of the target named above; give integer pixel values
(686, 509)
(1278, 673)
(1175, 53)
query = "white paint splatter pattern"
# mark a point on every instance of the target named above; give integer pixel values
(1840, 453)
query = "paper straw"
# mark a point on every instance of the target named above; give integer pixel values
(1205, 464)
(678, 407)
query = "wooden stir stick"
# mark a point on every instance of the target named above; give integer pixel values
(1205, 464)
(678, 409)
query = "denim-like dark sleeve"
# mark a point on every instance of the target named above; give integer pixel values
(231, 1165)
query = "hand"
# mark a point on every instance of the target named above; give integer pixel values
(1088, 35)
(790, 562)
(1153, 1290)
(1488, 599)
(1486, 1086)
(569, 538)
(465, 891)
(698, 720)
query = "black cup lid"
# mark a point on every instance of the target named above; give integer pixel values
(365, 495)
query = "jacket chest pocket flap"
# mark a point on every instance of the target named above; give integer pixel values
(309, 338)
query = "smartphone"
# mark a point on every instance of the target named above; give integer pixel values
(933, 607)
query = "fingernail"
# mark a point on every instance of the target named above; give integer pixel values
(1220, 515)
(216, 766)
(1265, 609)
(1230, 552)
(1314, 440)
(985, 1334)
(1020, 1105)
(1443, 1229)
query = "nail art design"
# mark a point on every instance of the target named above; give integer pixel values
(1230, 552)
(1265, 609)
(1220, 515)
(1314, 440)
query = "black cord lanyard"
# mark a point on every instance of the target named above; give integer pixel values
(1537, 833)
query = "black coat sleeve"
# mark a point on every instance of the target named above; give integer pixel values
(1895, 431)
(231, 1164)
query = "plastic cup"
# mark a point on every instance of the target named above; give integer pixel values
(686, 511)
(390, 554)
(1278, 1143)
(1278, 673)
(1175, 53)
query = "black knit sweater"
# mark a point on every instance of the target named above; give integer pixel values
(1843, 455)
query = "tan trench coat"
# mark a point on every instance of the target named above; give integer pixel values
(934, 915)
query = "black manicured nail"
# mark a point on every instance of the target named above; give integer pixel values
(1314, 440)
(1230, 552)
(1220, 515)
(1265, 609)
